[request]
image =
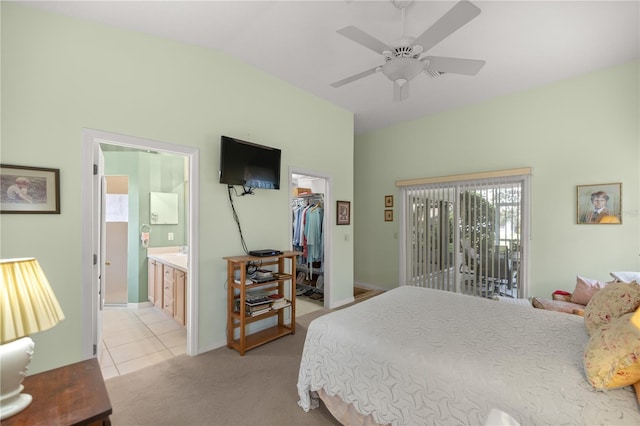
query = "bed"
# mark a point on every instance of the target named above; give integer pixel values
(420, 356)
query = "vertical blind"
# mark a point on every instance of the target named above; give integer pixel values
(466, 234)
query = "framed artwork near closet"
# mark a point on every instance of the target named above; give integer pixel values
(388, 200)
(388, 215)
(344, 212)
(26, 189)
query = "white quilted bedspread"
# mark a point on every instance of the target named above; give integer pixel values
(415, 356)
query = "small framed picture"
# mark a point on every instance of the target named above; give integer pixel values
(29, 189)
(344, 212)
(599, 204)
(388, 215)
(388, 200)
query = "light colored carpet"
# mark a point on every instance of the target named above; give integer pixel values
(220, 387)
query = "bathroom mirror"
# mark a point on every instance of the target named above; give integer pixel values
(164, 208)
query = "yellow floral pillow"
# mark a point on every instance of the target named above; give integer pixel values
(612, 356)
(609, 303)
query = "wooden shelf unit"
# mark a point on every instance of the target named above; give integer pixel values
(283, 283)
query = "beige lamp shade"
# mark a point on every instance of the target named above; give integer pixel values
(27, 302)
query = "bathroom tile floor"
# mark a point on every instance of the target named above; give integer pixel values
(135, 338)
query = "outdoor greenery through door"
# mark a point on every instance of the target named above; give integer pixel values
(467, 234)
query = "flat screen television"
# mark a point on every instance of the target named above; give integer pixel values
(249, 164)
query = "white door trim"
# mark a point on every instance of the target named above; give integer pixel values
(90, 140)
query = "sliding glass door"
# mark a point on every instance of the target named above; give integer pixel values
(466, 235)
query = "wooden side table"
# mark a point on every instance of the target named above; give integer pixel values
(71, 395)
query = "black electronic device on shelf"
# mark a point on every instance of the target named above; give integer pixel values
(265, 253)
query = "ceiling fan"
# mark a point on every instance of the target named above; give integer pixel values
(403, 59)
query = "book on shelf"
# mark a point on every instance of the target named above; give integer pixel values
(258, 302)
(280, 276)
(259, 311)
(262, 274)
(252, 311)
(257, 296)
(257, 307)
(279, 305)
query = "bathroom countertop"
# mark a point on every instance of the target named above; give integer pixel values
(175, 260)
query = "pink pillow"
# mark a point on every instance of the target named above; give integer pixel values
(585, 289)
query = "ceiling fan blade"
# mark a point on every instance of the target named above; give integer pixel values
(454, 65)
(400, 92)
(355, 77)
(364, 39)
(463, 12)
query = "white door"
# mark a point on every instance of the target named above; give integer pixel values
(99, 248)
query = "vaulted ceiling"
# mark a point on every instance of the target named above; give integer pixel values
(524, 43)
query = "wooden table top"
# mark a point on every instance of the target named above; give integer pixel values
(74, 394)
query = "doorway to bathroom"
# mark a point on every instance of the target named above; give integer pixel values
(144, 222)
(101, 145)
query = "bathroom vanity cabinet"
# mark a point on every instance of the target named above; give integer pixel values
(167, 287)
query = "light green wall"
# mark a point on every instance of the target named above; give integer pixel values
(60, 75)
(580, 131)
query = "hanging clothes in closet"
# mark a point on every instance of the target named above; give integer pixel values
(308, 215)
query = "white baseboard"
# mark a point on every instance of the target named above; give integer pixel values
(370, 286)
(214, 345)
(342, 302)
(146, 304)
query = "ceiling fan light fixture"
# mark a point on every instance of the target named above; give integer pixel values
(402, 4)
(402, 58)
(402, 68)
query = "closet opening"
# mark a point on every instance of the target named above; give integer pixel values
(309, 206)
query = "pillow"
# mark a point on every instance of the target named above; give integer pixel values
(555, 305)
(610, 357)
(613, 301)
(626, 277)
(585, 289)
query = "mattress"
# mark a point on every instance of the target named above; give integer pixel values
(421, 356)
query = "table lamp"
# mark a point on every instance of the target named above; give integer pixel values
(27, 306)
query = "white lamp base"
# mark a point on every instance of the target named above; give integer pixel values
(14, 359)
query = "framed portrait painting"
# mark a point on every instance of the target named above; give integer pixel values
(599, 204)
(344, 212)
(29, 189)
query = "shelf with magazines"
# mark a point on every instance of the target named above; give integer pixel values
(260, 288)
